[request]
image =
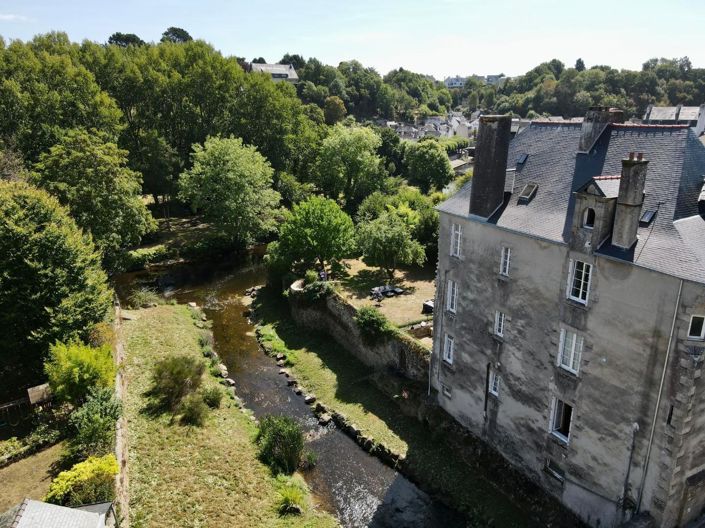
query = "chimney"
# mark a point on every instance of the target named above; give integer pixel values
(491, 151)
(629, 201)
(595, 122)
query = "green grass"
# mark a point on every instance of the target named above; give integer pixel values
(190, 476)
(344, 384)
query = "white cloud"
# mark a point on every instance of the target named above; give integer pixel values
(9, 17)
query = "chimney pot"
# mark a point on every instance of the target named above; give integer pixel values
(640, 156)
(631, 156)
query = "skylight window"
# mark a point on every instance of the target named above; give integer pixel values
(521, 158)
(647, 217)
(528, 192)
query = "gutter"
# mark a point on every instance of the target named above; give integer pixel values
(658, 399)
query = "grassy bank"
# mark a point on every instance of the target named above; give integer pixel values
(344, 384)
(181, 476)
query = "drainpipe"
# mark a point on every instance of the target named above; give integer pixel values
(658, 399)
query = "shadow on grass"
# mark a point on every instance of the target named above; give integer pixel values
(474, 484)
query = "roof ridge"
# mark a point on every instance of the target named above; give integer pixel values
(643, 125)
(606, 177)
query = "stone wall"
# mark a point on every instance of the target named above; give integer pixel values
(336, 317)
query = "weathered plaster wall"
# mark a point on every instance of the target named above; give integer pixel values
(625, 327)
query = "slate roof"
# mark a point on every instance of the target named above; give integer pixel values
(276, 69)
(35, 514)
(673, 243)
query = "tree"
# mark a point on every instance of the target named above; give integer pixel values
(87, 482)
(90, 177)
(259, 60)
(11, 164)
(334, 109)
(391, 150)
(580, 65)
(296, 60)
(52, 287)
(316, 230)
(73, 369)
(176, 35)
(231, 184)
(348, 166)
(93, 424)
(174, 378)
(386, 243)
(125, 39)
(426, 165)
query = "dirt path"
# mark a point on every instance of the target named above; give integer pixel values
(28, 477)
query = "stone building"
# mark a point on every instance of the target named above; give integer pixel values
(570, 314)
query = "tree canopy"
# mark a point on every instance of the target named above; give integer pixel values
(176, 35)
(427, 165)
(125, 39)
(231, 185)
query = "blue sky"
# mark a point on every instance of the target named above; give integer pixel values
(439, 37)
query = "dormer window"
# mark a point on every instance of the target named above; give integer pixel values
(589, 218)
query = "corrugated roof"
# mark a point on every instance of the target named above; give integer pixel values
(673, 182)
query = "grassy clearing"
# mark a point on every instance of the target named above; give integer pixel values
(403, 310)
(29, 477)
(185, 476)
(344, 384)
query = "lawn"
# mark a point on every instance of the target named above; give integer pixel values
(192, 477)
(403, 310)
(29, 477)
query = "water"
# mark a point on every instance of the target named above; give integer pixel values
(346, 481)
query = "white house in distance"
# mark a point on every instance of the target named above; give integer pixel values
(278, 72)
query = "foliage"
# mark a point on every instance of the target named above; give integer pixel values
(212, 397)
(231, 184)
(87, 482)
(373, 325)
(391, 150)
(51, 284)
(12, 166)
(93, 424)
(316, 291)
(194, 410)
(310, 277)
(140, 258)
(10, 447)
(292, 498)
(291, 190)
(176, 35)
(100, 334)
(89, 176)
(426, 164)
(334, 109)
(317, 230)
(174, 378)
(125, 39)
(143, 298)
(386, 242)
(74, 368)
(281, 443)
(348, 165)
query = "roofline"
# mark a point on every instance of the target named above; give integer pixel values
(643, 125)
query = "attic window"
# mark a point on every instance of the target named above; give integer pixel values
(589, 218)
(647, 217)
(528, 192)
(521, 159)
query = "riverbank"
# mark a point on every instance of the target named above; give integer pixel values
(181, 476)
(453, 468)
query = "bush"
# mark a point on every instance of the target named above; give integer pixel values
(281, 443)
(87, 482)
(212, 397)
(194, 411)
(93, 425)
(373, 325)
(174, 378)
(316, 291)
(292, 498)
(143, 298)
(74, 368)
(310, 277)
(10, 447)
(101, 334)
(138, 259)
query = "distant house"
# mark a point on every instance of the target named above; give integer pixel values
(278, 72)
(35, 514)
(693, 116)
(455, 82)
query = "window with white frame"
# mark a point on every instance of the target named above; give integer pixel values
(494, 383)
(447, 391)
(505, 261)
(561, 418)
(499, 324)
(456, 240)
(579, 281)
(696, 330)
(448, 349)
(452, 296)
(570, 350)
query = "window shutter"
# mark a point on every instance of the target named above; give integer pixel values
(561, 342)
(571, 266)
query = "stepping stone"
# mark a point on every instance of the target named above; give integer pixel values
(192, 305)
(281, 357)
(291, 382)
(230, 381)
(284, 371)
(324, 419)
(298, 391)
(309, 399)
(223, 370)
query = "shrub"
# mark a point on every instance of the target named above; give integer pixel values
(73, 368)
(194, 411)
(292, 498)
(174, 378)
(101, 334)
(139, 258)
(143, 298)
(212, 397)
(87, 482)
(310, 277)
(10, 447)
(205, 339)
(281, 443)
(316, 291)
(373, 325)
(93, 425)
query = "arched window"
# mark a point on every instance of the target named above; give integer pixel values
(589, 218)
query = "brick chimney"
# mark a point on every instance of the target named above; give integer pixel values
(491, 151)
(629, 201)
(595, 122)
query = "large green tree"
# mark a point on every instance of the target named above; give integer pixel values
(89, 176)
(387, 243)
(426, 164)
(231, 185)
(52, 287)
